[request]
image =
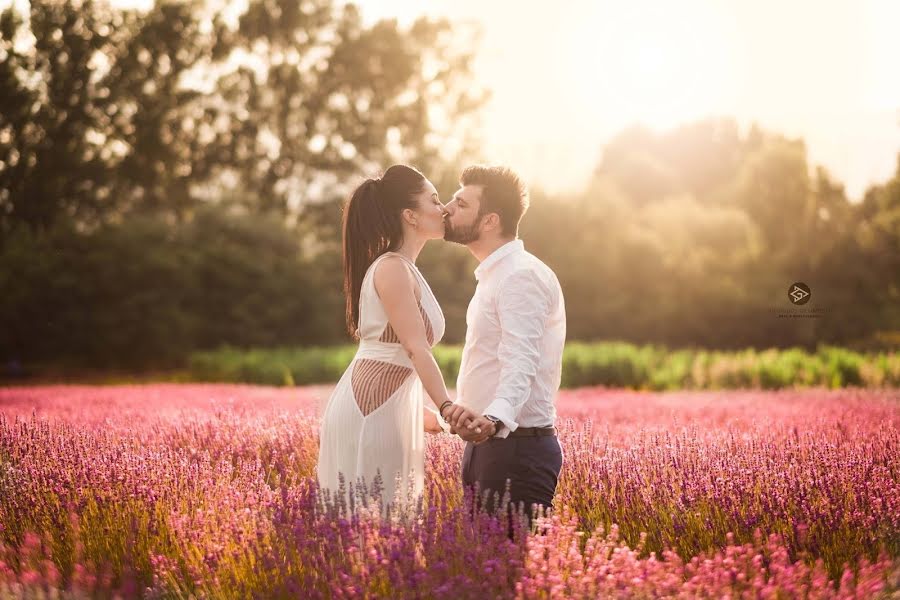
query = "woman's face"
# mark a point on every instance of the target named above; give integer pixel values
(430, 213)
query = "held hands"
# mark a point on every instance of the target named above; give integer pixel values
(486, 426)
(466, 424)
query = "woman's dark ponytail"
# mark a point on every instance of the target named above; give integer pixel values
(372, 226)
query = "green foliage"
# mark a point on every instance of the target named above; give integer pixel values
(843, 366)
(275, 366)
(612, 364)
(615, 364)
(115, 111)
(147, 294)
(699, 246)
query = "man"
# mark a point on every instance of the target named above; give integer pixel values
(515, 332)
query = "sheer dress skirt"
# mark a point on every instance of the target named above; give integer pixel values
(373, 423)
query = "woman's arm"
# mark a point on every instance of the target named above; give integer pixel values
(395, 285)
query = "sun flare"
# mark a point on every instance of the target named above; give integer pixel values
(654, 64)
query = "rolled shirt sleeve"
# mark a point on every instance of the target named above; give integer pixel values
(523, 306)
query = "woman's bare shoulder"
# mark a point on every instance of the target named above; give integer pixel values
(392, 273)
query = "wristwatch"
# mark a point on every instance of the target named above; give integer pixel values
(498, 424)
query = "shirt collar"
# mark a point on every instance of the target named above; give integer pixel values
(497, 255)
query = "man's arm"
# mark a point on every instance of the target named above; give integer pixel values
(523, 305)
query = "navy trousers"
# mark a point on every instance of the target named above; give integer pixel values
(531, 463)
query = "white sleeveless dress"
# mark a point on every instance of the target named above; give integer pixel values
(373, 421)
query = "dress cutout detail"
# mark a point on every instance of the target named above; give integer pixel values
(391, 338)
(375, 381)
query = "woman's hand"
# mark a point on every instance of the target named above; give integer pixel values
(431, 422)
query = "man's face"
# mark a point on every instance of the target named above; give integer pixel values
(462, 222)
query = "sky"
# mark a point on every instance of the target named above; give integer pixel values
(568, 75)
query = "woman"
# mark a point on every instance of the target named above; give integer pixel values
(375, 419)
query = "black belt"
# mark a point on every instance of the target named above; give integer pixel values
(532, 431)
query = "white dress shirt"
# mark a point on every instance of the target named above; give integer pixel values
(515, 333)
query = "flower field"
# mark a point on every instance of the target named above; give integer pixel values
(174, 491)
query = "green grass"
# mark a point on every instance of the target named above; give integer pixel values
(613, 364)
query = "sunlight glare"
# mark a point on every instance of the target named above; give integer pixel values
(653, 63)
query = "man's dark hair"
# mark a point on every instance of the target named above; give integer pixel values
(502, 193)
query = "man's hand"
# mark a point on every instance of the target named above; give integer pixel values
(487, 427)
(461, 418)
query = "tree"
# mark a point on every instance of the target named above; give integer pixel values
(113, 111)
(364, 98)
(860, 271)
(50, 113)
(692, 236)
